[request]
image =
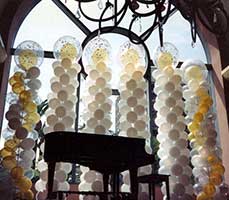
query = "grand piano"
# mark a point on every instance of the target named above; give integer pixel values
(106, 154)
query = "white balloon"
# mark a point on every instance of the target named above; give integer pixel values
(176, 169)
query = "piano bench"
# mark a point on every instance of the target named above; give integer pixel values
(153, 180)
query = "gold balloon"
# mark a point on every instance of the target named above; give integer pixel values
(198, 117)
(9, 162)
(28, 126)
(130, 56)
(7, 152)
(25, 96)
(191, 136)
(209, 189)
(17, 77)
(11, 144)
(30, 107)
(99, 55)
(203, 108)
(201, 92)
(200, 140)
(18, 87)
(215, 178)
(27, 59)
(28, 195)
(193, 126)
(212, 159)
(165, 59)
(218, 167)
(24, 184)
(32, 117)
(202, 196)
(68, 51)
(17, 172)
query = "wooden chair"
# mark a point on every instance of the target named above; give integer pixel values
(152, 180)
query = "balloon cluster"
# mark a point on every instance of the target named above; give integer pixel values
(17, 154)
(61, 113)
(133, 105)
(208, 168)
(173, 151)
(90, 181)
(97, 103)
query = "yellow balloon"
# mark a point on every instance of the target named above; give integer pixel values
(202, 196)
(99, 55)
(9, 162)
(215, 178)
(193, 126)
(194, 73)
(169, 71)
(30, 107)
(209, 189)
(68, 51)
(164, 59)
(130, 56)
(101, 66)
(27, 59)
(17, 172)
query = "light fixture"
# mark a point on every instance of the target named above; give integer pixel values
(3, 54)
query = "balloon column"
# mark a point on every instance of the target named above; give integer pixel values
(97, 103)
(206, 159)
(173, 151)
(61, 100)
(133, 104)
(17, 154)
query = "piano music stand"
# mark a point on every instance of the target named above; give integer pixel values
(108, 155)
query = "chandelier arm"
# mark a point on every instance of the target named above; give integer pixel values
(108, 5)
(148, 2)
(117, 22)
(166, 17)
(140, 14)
(105, 19)
(148, 32)
(156, 24)
(72, 17)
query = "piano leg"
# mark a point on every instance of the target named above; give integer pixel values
(134, 183)
(105, 185)
(51, 170)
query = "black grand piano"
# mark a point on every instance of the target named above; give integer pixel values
(106, 154)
